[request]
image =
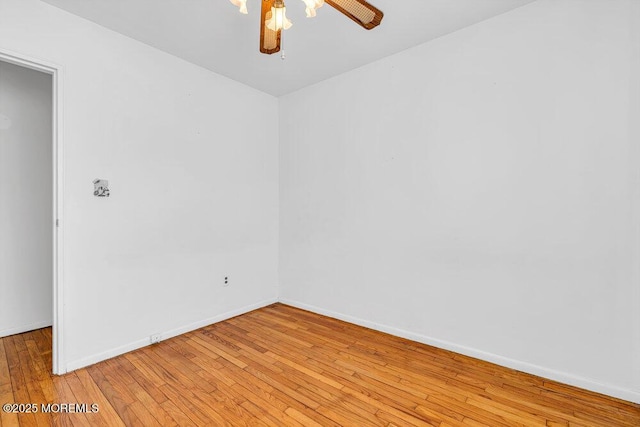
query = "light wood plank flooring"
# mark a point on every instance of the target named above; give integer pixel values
(280, 366)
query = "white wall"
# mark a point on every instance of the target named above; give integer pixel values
(479, 192)
(26, 214)
(194, 192)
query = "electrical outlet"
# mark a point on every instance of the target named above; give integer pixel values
(155, 339)
(226, 280)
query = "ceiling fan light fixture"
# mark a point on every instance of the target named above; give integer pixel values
(241, 4)
(273, 18)
(278, 19)
(312, 5)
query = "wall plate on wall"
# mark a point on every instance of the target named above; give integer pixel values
(101, 188)
(5, 122)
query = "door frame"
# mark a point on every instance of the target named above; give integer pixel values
(55, 70)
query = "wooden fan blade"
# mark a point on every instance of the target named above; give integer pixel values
(269, 39)
(360, 11)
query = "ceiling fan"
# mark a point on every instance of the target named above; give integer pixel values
(273, 17)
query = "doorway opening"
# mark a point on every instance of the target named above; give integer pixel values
(31, 200)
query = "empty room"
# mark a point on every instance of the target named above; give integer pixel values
(320, 213)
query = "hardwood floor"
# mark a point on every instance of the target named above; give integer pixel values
(280, 366)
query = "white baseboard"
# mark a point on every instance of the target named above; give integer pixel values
(563, 377)
(25, 328)
(86, 361)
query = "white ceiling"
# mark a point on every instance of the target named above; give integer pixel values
(214, 35)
